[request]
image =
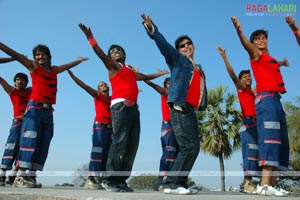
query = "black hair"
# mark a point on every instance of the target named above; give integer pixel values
(180, 39)
(115, 46)
(166, 80)
(44, 49)
(21, 75)
(247, 71)
(257, 33)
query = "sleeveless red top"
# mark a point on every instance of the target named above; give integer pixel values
(247, 102)
(124, 84)
(19, 100)
(165, 109)
(44, 85)
(267, 75)
(102, 108)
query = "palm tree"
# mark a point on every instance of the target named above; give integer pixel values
(219, 126)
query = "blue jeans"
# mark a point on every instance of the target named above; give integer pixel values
(101, 140)
(37, 133)
(125, 141)
(12, 145)
(169, 148)
(272, 131)
(249, 141)
(185, 125)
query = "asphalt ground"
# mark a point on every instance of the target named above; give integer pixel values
(73, 193)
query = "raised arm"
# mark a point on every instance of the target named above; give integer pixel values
(159, 89)
(8, 88)
(67, 66)
(6, 60)
(111, 65)
(292, 24)
(237, 82)
(29, 64)
(144, 77)
(253, 52)
(94, 93)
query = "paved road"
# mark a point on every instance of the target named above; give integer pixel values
(70, 193)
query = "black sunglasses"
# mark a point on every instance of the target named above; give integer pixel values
(185, 44)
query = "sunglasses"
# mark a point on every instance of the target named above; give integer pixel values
(185, 44)
(115, 50)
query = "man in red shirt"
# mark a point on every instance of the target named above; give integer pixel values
(19, 96)
(125, 113)
(37, 127)
(168, 141)
(272, 130)
(102, 131)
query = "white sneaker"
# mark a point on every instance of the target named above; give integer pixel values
(285, 192)
(193, 190)
(268, 190)
(179, 190)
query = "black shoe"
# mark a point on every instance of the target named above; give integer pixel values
(125, 188)
(10, 180)
(36, 184)
(2, 180)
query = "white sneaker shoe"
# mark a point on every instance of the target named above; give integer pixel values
(268, 190)
(179, 190)
(285, 192)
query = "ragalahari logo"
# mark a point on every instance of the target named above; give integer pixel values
(270, 9)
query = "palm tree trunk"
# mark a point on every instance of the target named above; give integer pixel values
(222, 170)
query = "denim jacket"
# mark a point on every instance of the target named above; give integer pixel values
(181, 70)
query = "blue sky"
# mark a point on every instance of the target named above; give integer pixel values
(24, 24)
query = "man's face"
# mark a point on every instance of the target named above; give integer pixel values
(103, 87)
(41, 58)
(260, 42)
(20, 83)
(246, 79)
(186, 48)
(117, 54)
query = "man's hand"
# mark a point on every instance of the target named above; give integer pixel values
(162, 72)
(147, 21)
(87, 31)
(236, 23)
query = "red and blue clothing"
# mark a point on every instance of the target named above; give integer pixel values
(101, 138)
(168, 141)
(271, 122)
(19, 99)
(38, 126)
(248, 132)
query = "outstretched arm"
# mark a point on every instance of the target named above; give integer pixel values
(292, 24)
(6, 60)
(67, 66)
(29, 64)
(159, 89)
(237, 82)
(8, 88)
(144, 77)
(88, 89)
(283, 62)
(111, 65)
(253, 52)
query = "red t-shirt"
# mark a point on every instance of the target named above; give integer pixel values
(247, 102)
(267, 75)
(124, 84)
(44, 85)
(165, 109)
(19, 100)
(102, 108)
